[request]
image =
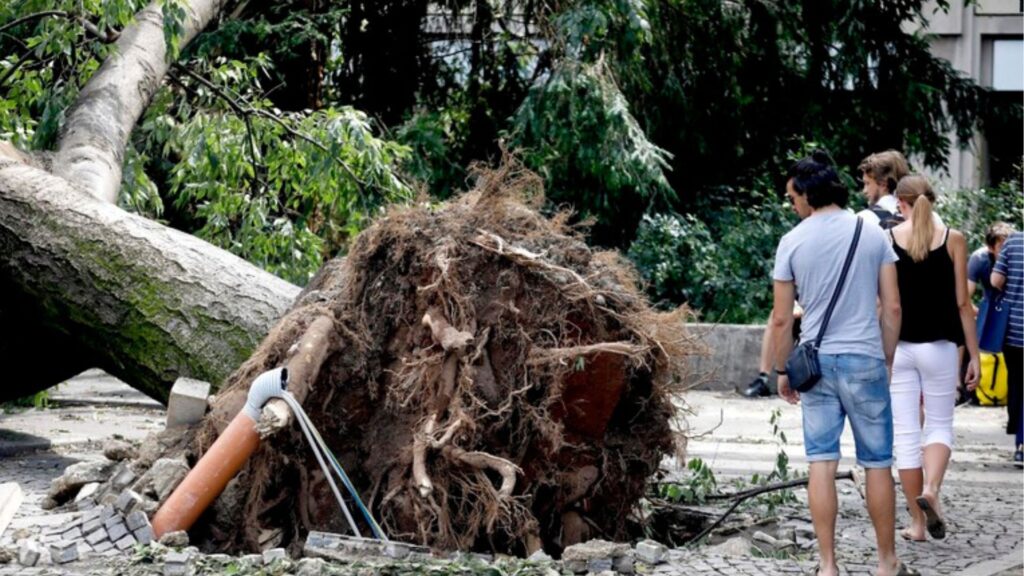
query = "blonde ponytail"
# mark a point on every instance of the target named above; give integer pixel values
(917, 192)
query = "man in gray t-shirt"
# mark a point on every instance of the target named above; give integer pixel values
(855, 355)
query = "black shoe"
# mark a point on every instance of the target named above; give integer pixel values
(757, 389)
(1018, 457)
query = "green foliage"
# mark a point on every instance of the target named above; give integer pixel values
(46, 59)
(781, 473)
(720, 265)
(972, 211)
(618, 167)
(173, 13)
(38, 400)
(435, 140)
(697, 484)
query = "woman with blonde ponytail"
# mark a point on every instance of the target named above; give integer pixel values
(937, 317)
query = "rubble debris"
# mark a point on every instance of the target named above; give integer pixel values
(187, 402)
(63, 551)
(117, 450)
(177, 563)
(273, 554)
(736, 546)
(75, 476)
(11, 497)
(176, 539)
(28, 553)
(594, 555)
(650, 552)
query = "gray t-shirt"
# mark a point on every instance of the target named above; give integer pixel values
(811, 255)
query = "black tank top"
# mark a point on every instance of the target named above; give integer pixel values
(928, 296)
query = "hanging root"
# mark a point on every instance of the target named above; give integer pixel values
(303, 367)
(484, 461)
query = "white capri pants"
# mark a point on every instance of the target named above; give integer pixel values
(929, 370)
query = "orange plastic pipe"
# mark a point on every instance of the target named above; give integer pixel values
(209, 477)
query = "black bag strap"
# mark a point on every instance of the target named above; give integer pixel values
(842, 280)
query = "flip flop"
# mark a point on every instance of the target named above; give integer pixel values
(936, 525)
(906, 571)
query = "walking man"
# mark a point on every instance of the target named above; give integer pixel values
(856, 353)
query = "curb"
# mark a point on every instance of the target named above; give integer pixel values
(1014, 559)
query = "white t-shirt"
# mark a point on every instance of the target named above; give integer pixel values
(887, 203)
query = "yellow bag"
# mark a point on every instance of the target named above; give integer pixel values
(992, 389)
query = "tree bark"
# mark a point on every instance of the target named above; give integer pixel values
(145, 302)
(90, 151)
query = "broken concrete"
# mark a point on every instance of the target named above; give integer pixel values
(76, 476)
(118, 450)
(11, 497)
(28, 553)
(187, 402)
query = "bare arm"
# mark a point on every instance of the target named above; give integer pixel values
(782, 328)
(892, 312)
(958, 252)
(997, 279)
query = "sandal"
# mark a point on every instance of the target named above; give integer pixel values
(936, 524)
(906, 570)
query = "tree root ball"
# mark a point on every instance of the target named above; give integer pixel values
(490, 384)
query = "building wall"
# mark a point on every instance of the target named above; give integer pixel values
(964, 35)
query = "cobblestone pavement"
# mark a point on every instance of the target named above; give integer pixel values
(983, 495)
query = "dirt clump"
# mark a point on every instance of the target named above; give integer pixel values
(491, 384)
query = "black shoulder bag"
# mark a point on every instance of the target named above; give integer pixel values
(802, 366)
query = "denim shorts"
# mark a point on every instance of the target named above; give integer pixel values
(852, 385)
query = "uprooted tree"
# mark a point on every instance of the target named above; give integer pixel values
(488, 380)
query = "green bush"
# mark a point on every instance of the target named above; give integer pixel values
(973, 211)
(720, 265)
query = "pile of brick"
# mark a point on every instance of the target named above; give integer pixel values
(105, 530)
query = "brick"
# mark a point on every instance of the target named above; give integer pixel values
(187, 402)
(126, 542)
(106, 512)
(73, 534)
(63, 552)
(137, 519)
(96, 536)
(112, 521)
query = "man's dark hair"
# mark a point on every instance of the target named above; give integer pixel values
(815, 178)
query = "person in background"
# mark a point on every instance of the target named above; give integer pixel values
(1008, 276)
(937, 317)
(982, 260)
(759, 387)
(880, 172)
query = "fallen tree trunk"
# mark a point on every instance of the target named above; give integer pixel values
(145, 302)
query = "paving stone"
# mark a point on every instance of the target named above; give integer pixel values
(123, 476)
(91, 526)
(125, 542)
(96, 536)
(103, 546)
(650, 552)
(28, 553)
(274, 554)
(177, 564)
(106, 512)
(599, 564)
(73, 534)
(127, 501)
(145, 534)
(137, 519)
(63, 552)
(117, 531)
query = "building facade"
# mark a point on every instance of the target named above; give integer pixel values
(984, 40)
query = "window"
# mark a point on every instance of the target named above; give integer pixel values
(1008, 65)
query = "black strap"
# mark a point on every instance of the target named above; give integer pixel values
(842, 280)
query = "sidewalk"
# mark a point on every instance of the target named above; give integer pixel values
(984, 495)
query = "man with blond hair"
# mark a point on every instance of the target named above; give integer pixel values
(880, 172)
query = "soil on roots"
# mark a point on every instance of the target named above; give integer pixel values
(492, 384)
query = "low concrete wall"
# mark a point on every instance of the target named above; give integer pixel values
(734, 352)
